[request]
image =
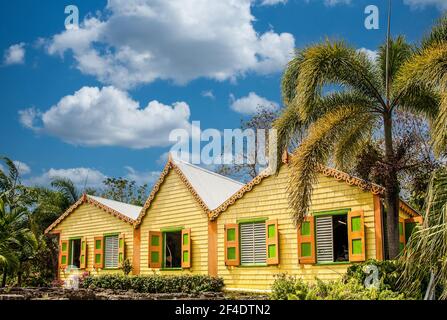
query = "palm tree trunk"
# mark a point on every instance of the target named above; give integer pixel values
(391, 185)
(4, 278)
(19, 276)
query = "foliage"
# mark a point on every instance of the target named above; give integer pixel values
(123, 190)
(349, 288)
(389, 273)
(425, 256)
(246, 171)
(17, 242)
(414, 160)
(361, 109)
(127, 267)
(156, 283)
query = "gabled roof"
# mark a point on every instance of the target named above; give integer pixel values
(129, 210)
(213, 188)
(208, 188)
(375, 189)
(123, 211)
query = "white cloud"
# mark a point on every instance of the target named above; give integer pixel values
(15, 54)
(22, 167)
(331, 3)
(80, 176)
(145, 40)
(90, 178)
(108, 117)
(141, 177)
(208, 94)
(417, 4)
(251, 104)
(372, 54)
(272, 2)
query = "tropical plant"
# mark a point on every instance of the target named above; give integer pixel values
(11, 189)
(17, 242)
(344, 99)
(69, 189)
(425, 256)
(290, 288)
(427, 68)
(123, 190)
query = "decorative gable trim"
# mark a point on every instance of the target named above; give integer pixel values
(375, 189)
(170, 165)
(405, 207)
(87, 199)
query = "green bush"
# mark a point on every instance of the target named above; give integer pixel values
(349, 288)
(155, 283)
(389, 273)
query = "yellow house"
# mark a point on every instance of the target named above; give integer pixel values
(95, 236)
(256, 237)
(174, 227)
(198, 222)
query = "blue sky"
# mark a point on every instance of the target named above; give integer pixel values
(101, 100)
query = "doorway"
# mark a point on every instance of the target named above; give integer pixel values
(75, 252)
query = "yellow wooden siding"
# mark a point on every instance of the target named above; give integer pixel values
(89, 221)
(174, 206)
(269, 200)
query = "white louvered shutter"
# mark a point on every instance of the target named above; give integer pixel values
(324, 236)
(111, 251)
(253, 243)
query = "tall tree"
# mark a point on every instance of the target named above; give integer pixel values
(262, 119)
(344, 99)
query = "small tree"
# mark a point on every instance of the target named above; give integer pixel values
(127, 267)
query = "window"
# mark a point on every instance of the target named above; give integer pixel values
(111, 249)
(253, 243)
(75, 252)
(172, 249)
(332, 238)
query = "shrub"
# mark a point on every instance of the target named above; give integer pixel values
(283, 286)
(389, 273)
(349, 288)
(156, 283)
(127, 267)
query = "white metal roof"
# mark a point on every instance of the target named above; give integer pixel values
(214, 189)
(126, 209)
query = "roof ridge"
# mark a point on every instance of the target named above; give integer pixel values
(88, 199)
(209, 171)
(98, 197)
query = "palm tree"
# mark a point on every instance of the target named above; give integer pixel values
(69, 190)
(14, 193)
(428, 66)
(15, 238)
(425, 257)
(345, 99)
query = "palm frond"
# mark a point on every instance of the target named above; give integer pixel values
(438, 34)
(439, 135)
(67, 188)
(334, 63)
(358, 132)
(313, 152)
(426, 251)
(399, 52)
